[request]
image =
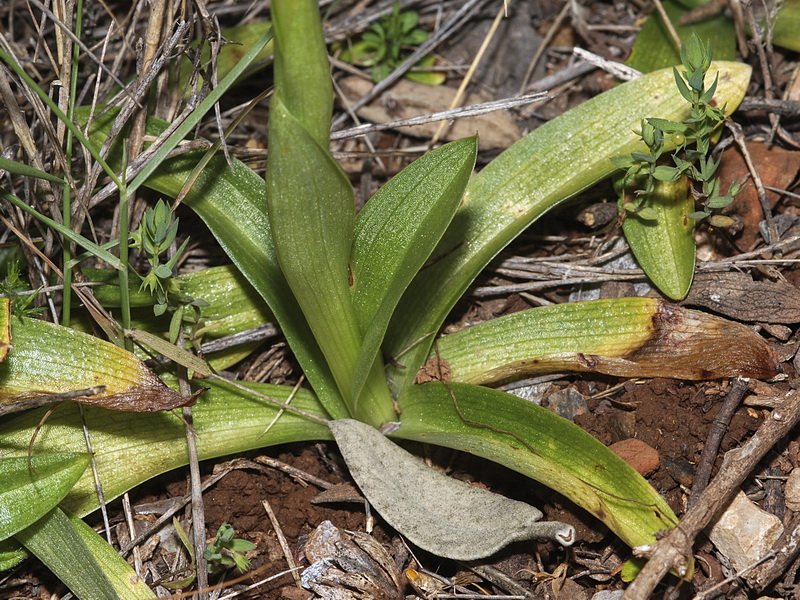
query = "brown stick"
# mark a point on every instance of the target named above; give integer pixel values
(675, 549)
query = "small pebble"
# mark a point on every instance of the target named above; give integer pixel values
(608, 595)
(643, 458)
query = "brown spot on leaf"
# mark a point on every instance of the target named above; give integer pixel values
(435, 369)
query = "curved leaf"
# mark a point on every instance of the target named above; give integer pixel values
(540, 444)
(232, 203)
(131, 448)
(440, 514)
(395, 234)
(50, 359)
(627, 337)
(664, 246)
(91, 568)
(28, 495)
(553, 163)
(311, 215)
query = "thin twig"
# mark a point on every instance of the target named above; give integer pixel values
(715, 434)
(287, 552)
(738, 136)
(675, 549)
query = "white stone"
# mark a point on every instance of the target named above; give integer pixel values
(608, 595)
(744, 533)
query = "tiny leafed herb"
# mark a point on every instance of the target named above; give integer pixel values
(691, 139)
(14, 287)
(384, 46)
(154, 238)
(226, 551)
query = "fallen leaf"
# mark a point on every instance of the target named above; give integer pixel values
(777, 168)
(442, 515)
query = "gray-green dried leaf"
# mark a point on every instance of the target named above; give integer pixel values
(439, 514)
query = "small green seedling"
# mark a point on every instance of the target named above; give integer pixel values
(12, 286)
(384, 46)
(691, 140)
(226, 551)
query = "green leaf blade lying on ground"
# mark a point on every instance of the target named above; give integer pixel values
(232, 202)
(133, 448)
(48, 359)
(553, 163)
(91, 568)
(28, 495)
(626, 337)
(396, 232)
(540, 444)
(664, 246)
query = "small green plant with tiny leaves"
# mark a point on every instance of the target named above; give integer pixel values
(386, 45)
(691, 140)
(227, 551)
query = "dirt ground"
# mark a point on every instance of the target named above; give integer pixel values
(674, 418)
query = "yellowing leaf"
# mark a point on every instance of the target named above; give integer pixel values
(49, 359)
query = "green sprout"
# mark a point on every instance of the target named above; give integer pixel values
(226, 551)
(13, 286)
(691, 139)
(154, 238)
(383, 46)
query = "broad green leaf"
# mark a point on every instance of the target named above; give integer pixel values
(787, 24)
(664, 246)
(19, 168)
(131, 448)
(28, 495)
(627, 337)
(11, 554)
(81, 559)
(50, 359)
(551, 164)
(312, 215)
(302, 68)
(655, 49)
(230, 305)
(232, 203)
(396, 232)
(538, 443)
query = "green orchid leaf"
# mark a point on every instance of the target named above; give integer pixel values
(540, 444)
(27, 494)
(655, 48)
(92, 568)
(71, 360)
(395, 234)
(230, 305)
(787, 23)
(312, 215)
(312, 206)
(232, 202)
(11, 554)
(551, 164)
(664, 246)
(131, 448)
(627, 337)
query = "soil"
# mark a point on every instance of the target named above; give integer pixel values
(672, 417)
